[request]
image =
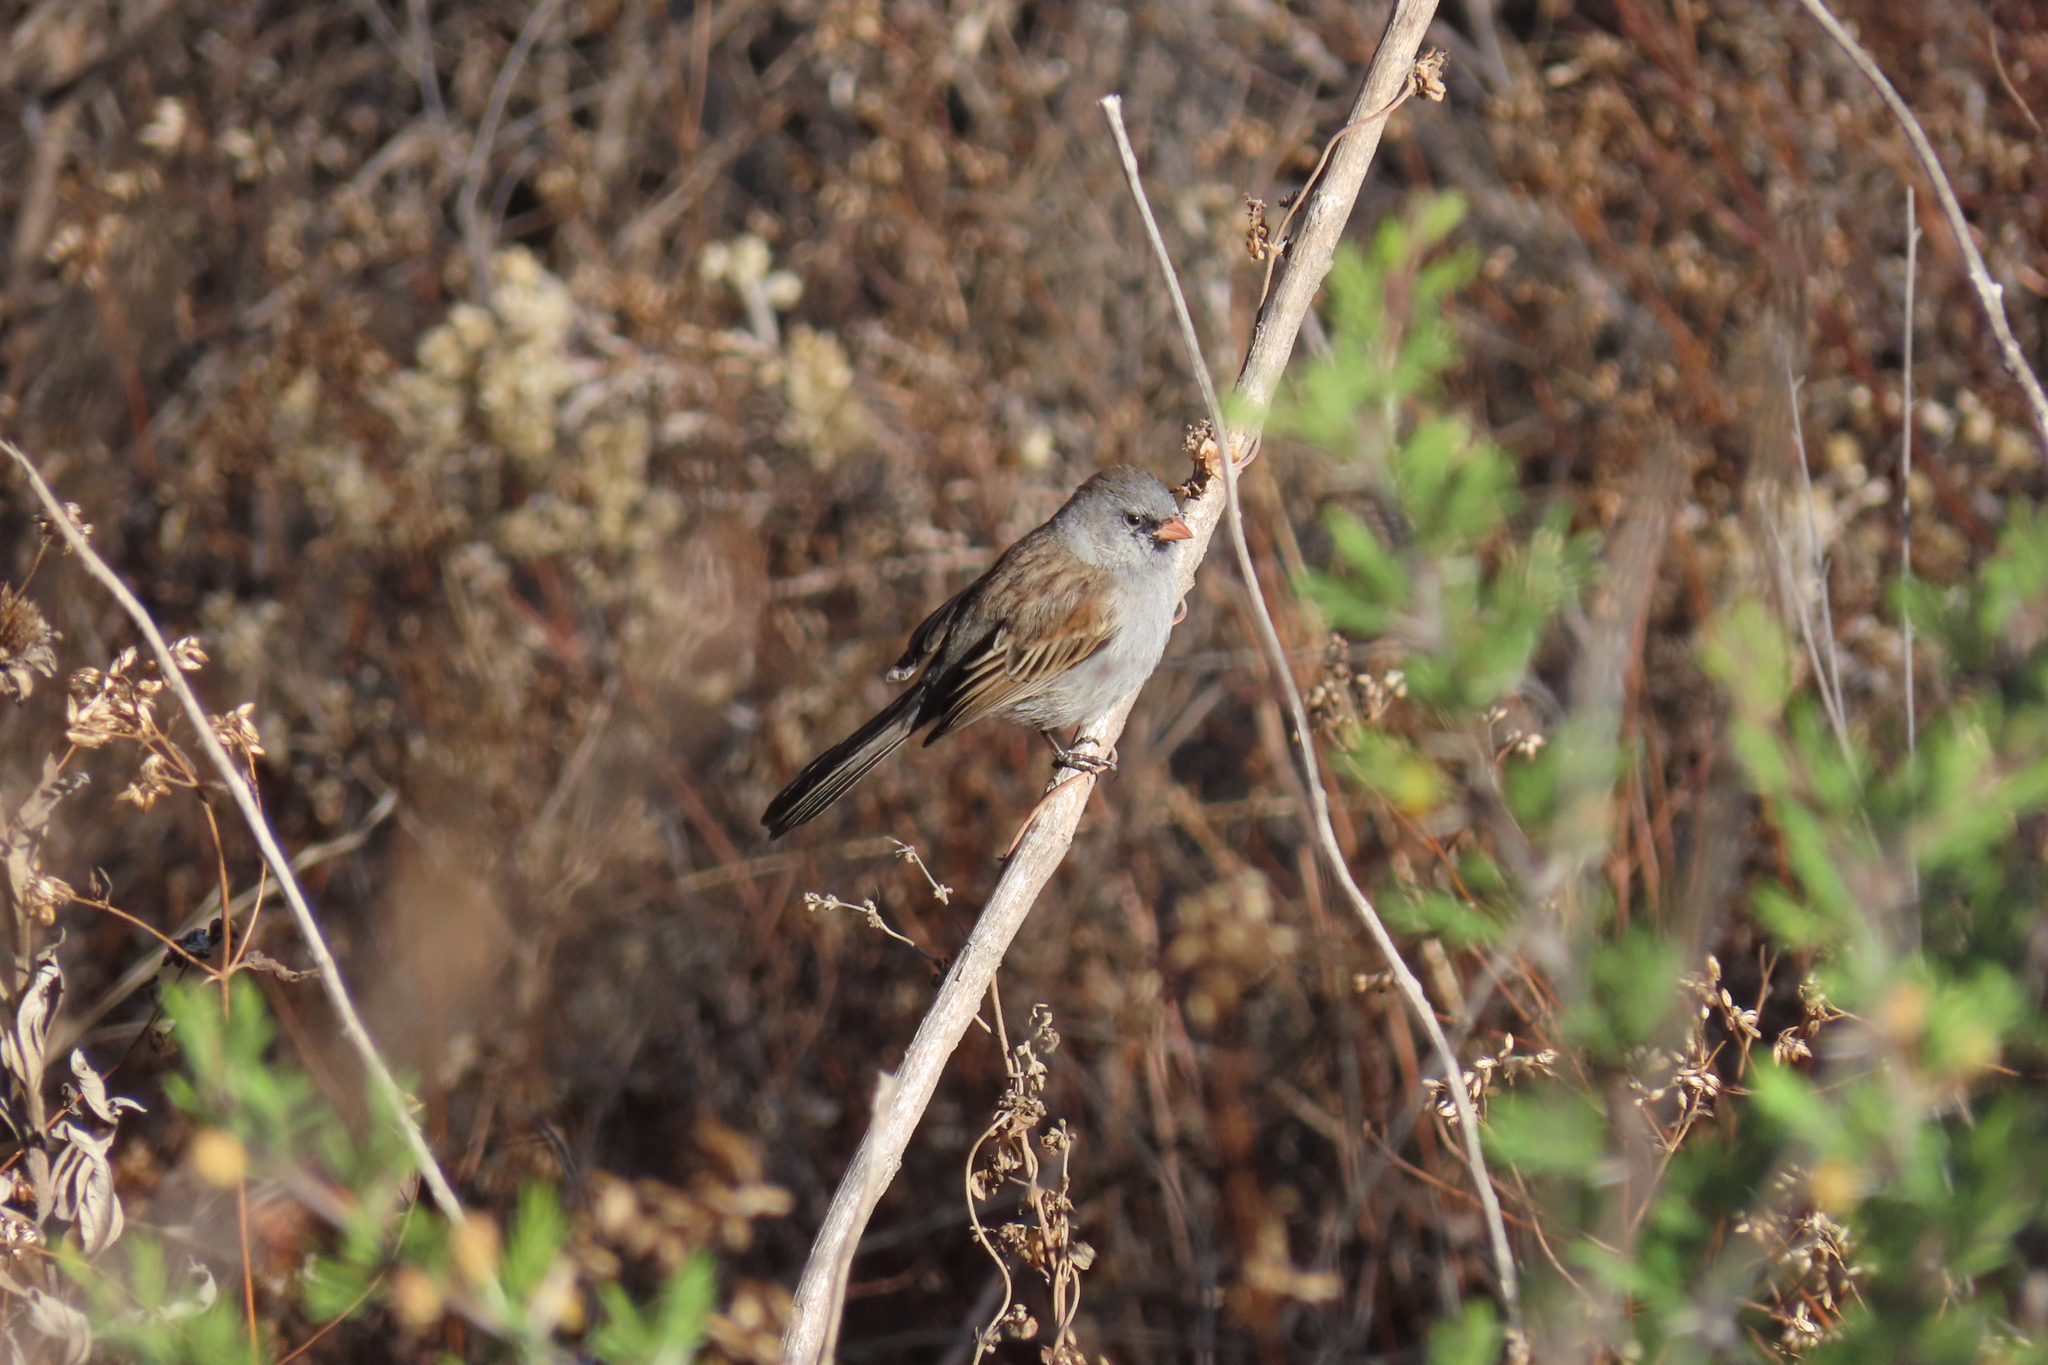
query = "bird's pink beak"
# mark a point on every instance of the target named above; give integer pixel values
(1173, 528)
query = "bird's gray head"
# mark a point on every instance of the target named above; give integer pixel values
(1123, 516)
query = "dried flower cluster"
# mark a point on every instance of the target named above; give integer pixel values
(1343, 700)
(1795, 1044)
(1503, 1068)
(27, 644)
(1228, 938)
(1813, 1273)
(1012, 1151)
(1514, 740)
(1688, 1077)
(119, 704)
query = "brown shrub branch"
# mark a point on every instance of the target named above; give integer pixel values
(309, 928)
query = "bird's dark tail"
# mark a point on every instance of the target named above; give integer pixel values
(828, 776)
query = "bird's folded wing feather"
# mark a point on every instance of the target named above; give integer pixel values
(1061, 623)
(925, 640)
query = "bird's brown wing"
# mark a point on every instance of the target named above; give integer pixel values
(929, 635)
(1061, 619)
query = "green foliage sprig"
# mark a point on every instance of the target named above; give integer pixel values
(1854, 1171)
(263, 1120)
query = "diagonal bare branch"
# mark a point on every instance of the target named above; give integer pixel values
(901, 1099)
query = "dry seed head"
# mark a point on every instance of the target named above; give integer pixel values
(104, 707)
(744, 261)
(941, 893)
(827, 419)
(42, 894)
(65, 243)
(127, 186)
(17, 1234)
(476, 1247)
(1427, 79)
(1258, 238)
(1789, 1048)
(415, 1297)
(1740, 1022)
(749, 1331)
(25, 644)
(1505, 1066)
(814, 901)
(46, 527)
(1017, 1323)
(188, 654)
(1271, 1270)
(237, 733)
(153, 779)
(782, 289)
(1813, 1002)
(166, 127)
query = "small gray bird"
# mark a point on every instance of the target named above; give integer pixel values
(1072, 617)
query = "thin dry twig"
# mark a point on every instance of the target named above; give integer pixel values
(248, 1270)
(1320, 826)
(1906, 507)
(71, 1027)
(1427, 80)
(941, 892)
(1808, 587)
(224, 764)
(2005, 78)
(1990, 293)
(421, 40)
(477, 234)
(866, 911)
(901, 1098)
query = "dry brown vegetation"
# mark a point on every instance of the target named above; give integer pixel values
(557, 416)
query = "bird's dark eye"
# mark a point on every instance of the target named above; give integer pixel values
(1133, 520)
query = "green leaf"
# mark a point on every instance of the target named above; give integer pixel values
(538, 1231)
(1746, 650)
(1798, 925)
(1550, 1130)
(1789, 1099)
(1434, 912)
(1474, 1339)
(671, 1333)
(1398, 772)
(1634, 987)
(2017, 576)
(1435, 216)
(1373, 589)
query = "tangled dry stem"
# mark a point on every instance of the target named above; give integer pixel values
(1042, 1236)
(280, 866)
